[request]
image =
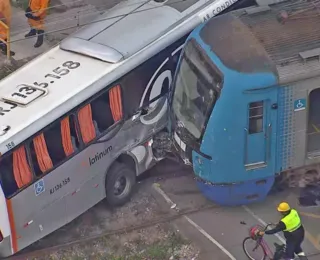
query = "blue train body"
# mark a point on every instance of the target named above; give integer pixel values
(261, 115)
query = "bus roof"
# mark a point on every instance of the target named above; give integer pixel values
(286, 33)
(124, 35)
(100, 48)
(59, 91)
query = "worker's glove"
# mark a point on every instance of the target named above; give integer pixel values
(36, 18)
(28, 13)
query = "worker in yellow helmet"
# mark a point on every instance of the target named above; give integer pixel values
(293, 231)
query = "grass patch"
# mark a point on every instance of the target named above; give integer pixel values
(157, 251)
(114, 248)
(6, 70)
(23, 4)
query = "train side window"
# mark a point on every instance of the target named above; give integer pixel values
(256, 117)
(53, 145)
(107, 109)
(15, 171)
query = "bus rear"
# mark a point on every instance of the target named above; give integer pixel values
(6, 247)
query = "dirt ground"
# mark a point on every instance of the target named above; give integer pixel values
(156, 243)
(101, 225)
(6, 68)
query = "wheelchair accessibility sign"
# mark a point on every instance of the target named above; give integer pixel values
(300, 104)
(39, 187)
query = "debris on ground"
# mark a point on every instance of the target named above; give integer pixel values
(154, 243)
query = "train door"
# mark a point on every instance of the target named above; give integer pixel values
(260, 132)
(313, 145)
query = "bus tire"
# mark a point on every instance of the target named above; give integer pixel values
(120, 183)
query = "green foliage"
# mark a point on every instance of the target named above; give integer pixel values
(23, 4)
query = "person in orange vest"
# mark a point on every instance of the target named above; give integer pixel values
(5, 17)
(36, 13)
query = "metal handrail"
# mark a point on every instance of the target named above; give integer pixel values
(7, 41)
(245, 158)
(268, 143)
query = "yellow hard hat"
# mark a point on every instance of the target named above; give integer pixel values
(283, 207)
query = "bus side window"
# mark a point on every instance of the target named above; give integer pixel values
(74, 134)
(87, 126)
(70, 141)
(53, 146)
(101, 112)
(255, 117)
(15, 171)
(107, 108)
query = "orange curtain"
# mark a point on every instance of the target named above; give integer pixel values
(115, 103)
(87, 129)
(21, 169)
(42, 154)
(66, 136)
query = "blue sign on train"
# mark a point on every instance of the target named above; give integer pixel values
(300, 104)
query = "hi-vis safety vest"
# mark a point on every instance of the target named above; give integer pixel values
(292, 221)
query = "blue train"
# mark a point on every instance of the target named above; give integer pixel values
(245, 101)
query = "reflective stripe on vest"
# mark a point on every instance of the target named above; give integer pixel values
(292, 221)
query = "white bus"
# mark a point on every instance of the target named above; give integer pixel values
(76, 123)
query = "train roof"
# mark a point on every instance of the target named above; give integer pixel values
(284, 36)
(108, 48)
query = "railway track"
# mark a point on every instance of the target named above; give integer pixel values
(128, 229)
(175, 172)
(171, 216)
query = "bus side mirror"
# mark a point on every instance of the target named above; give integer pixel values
(274, 106)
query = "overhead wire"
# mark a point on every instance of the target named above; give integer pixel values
(76, 15)
(94, 9)
(72, 17)
(82, 12)
(54, 6)
(50, 7)
(97, 21)
(135, 9)
(91, 11)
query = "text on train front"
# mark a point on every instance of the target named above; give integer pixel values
(197, 86)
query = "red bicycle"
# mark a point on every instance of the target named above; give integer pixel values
(256, 248)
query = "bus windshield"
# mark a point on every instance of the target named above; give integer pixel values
(197, 87)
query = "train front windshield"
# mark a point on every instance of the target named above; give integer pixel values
(197, 87)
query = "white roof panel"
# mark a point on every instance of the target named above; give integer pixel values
(138, 30)
(128, 32)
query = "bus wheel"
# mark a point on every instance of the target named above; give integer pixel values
(120, 184)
